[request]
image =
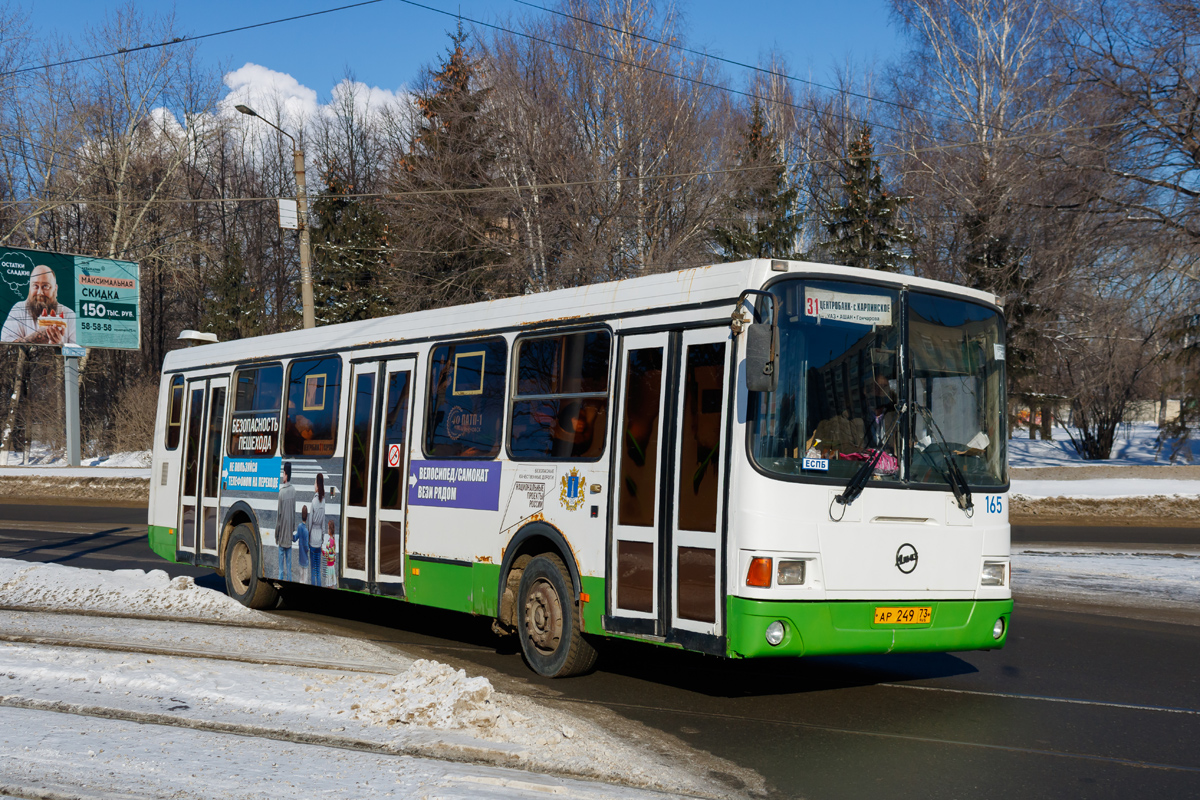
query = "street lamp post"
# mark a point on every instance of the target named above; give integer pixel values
(306, 288)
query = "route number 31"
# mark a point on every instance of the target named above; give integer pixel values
(995, 504)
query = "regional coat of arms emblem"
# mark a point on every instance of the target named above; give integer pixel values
(571, 494)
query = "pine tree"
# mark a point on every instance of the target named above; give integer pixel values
(765, 222)
(349, 249)
(865, 228)
(453, 239)
(234, 308)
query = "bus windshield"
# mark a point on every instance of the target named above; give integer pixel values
(845, 394)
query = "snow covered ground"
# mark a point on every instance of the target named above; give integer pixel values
(40, 457)
(250, 707)
(1106, 487)
(1135, 445)
(1109, 577)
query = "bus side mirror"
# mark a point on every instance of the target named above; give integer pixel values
(762, 343)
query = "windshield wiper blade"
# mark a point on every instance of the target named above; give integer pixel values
(858, 481)
(954, 474)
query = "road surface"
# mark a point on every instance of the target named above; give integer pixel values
(1078, 704)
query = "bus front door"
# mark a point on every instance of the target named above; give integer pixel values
(697, 507)
(636, 556)
(666, 551)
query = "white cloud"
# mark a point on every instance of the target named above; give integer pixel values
(276, 96)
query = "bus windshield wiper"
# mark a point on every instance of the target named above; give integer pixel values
(858, 481)
(953, 474)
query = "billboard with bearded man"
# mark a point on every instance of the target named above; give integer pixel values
(55, 299)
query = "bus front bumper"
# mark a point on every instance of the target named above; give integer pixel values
(820, 628)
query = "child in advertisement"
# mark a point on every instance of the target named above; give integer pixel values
(330, 556)
(302, 536)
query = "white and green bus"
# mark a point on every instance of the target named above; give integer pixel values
(763, 458)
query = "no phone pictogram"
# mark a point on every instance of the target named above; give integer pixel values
(393, 455)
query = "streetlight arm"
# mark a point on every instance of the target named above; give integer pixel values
(250, 112)
(306, 287)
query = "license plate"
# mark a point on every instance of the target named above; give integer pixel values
(910, 615)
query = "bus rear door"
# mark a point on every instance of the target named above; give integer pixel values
(200, 489)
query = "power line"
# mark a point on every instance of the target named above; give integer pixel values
(415, 193)
(643, 67)
(183, 39)
(742, 65)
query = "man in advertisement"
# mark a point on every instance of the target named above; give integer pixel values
(40, 318)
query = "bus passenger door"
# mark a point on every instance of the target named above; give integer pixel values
(357, 501)
(698, 483)
(210, 493)
(193, 444)
(392, 452)
(635, 556)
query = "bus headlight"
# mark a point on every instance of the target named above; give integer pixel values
(994, 573)
(775, 633)
(998, 628)
(791, 573)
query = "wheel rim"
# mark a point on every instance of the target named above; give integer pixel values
(544, 617)
(241, 567)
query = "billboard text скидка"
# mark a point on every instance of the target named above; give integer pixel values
(56, 299)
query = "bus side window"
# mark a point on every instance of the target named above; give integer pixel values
(175, 412)
(465, 406)
(314, 388)
(254, 425)
(561, 403)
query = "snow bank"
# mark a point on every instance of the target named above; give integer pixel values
(431, 694)
(1106, 488)
(1134, 445)
(1157, 580)
(50, 587)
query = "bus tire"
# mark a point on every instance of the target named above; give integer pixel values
(243, 570)
(548, 621)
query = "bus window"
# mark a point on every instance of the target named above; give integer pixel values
(639, 437)
(254, 426)
(314, 389)
(212, 452)
(393, 434)
(700, 437)
(561, 404)
(175, 412)
(465, 399)
(191, 461)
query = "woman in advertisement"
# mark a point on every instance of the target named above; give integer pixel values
(317, 531)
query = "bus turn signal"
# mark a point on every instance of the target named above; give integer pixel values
(759, 573)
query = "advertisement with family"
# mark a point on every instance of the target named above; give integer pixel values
(299, 499)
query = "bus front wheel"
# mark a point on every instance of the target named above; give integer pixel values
(548, 621)
(243, 570)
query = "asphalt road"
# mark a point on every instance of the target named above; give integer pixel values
(1077, 704)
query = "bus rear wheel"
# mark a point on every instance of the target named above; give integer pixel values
(243, 570)
(548, 621)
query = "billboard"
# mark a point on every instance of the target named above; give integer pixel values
(55, 299)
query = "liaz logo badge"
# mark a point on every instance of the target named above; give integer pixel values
(571, 495)
(906, 558)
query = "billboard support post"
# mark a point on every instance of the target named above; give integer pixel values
(71, 355)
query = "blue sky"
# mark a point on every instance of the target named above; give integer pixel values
(385, 44)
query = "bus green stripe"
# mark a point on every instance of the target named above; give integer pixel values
(162, 541)
(848, 627)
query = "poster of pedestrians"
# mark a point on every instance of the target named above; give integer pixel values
(298, 503)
